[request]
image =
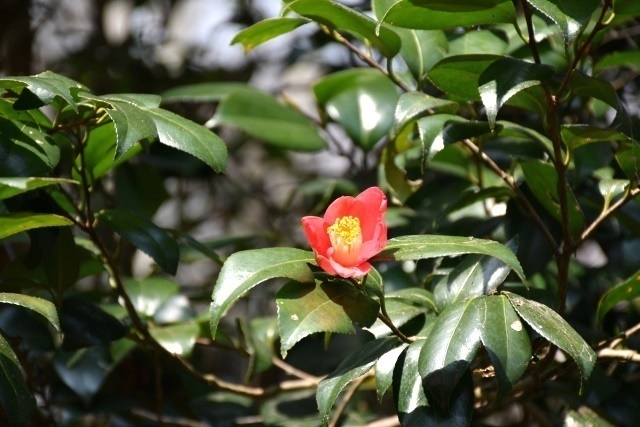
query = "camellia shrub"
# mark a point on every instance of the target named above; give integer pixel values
(477, 264)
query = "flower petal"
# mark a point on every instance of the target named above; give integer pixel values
(342, 206)
(316, 230)
(357, 271)
(325, 264)
(370, 207)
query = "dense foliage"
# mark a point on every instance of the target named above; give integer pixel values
(502, 133)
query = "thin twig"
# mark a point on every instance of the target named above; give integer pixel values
(291, 370)
(608, 212)
(613, 342)
(346, 399)
(628, 355)
(391, 421)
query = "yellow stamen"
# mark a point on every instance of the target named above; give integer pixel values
(346, 239)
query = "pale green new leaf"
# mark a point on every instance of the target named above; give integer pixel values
(14, 223)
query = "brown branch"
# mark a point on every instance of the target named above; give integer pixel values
(627, 355)
(613, 342)
(346, 399)
(608, 212)
(391, 421)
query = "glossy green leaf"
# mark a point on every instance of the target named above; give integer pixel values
(39, 305)
(266, 30)
(145, 235)
(33, 118)
(431, 246)
(505, 339)
(542, 180)
(475, 275)
(509, 127)
(85, 324)
(18, 222)
(178, 338)
(150, 294)
(411, 401)
(575, 136)
(414, 105)
(628, 59)
(445, 15)
(400, 312)
(25, 151)
(374, 283)
(459, 75)
(624, 291)
(262, 116)
(354, 366)
(306, 308)
(504, 78)
(384, 367)
(491, 42)
(361, 100)
(342, 18)
(185, 135)
(62, 262)
(554, 328)
(132, 180)
(176, 309)
(570, 15)
(246, 269)
(10, 187)
(612, 188)
(15, 397)
(416, 296)
(142, 100)
(450, 347)
(202, 92)
(100, 152)
(132, 125)
(44, 87)
(393, 161)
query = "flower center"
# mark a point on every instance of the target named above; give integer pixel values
(346, 239)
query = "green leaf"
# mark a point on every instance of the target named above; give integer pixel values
(18, 222)
(33, 118)
(260, 337)
(612, 188)
(441, 15)
(266, 30)
(185, 135)
(554, 328)
(85, 324)
(416, 296)
(374, 283)
(141, 100)
(585, 416)
(492, 42)
(575, 136)
(39, 305)
(62, 262)
(629, 59)
(429, 246)
(504, 78)
(44, 87)
(473, 196)
(354, 366)
(150, 294)
(10, 187)
(246, 269)
(146, 236)
(262, 116)
(459, 75)
(384, 367)
(450, 347)
(506, 341)
(570, 15)
(202, 92)
(510, 128)
(25, 151)
(624, 291)
(15, 397)
(400, 311)
(393, 161)
(476, 275)
(361, 100)
(414, 105)
(342, 18)
(542, 180)
(411, 401)
(306, 308)
(178, 338)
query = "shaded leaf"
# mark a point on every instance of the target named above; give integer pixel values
(266, 30)
(15, 397)
(554, 328)
(262, 116)
(411, 401)
(39, 305)
(400, 312)
(260, 337)
(575, 136)
(305, 308)
(85, 324)
(384, 367)
(629, 59)
(246, 269)
(624, 291)
(459, 75)
(25, 151)
(354, 366)
(62, 262)
(570, 15)
(145, 235)
(18, 222)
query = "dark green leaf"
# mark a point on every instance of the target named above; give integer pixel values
(142, 100)
(459, 75)
(411, 401)
(416, 296)
(202, 92)
(414, 105)
(15, 396)
(506, 341)
(150, 294)
(305, 308)
(246, 269)
(133, 180)
(624, 291)
(506, 77)
(18, 222)
(100, 152)
(178, 338)
(44, 87)
(132, 125)
(471, 197)
(262, 116)
(384, 368)
(185, 135)
(85, 324)
(575, 136)
(33, 118)
(39, 305)
(146, 236)
(362, 101)
(430, 246)
(266, 30)
(354, 366)
(10, 187)
(62, 262)
(374, 283)
(441, 15)
(628, 58)
(510, 128)
(570, 15)
(393, 161)
(342, 18)
(542, 180)
(400, 312)
(476, 275)
(25, 151)
(291, 408)
(554, 328)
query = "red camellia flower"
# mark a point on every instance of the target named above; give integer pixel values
(351, 232)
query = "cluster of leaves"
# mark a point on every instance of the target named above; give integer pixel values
(457, 327)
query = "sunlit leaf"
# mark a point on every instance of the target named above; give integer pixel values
(570, 15)
(624, 291)
(266, 30)
(18, 222)
(13, 186)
